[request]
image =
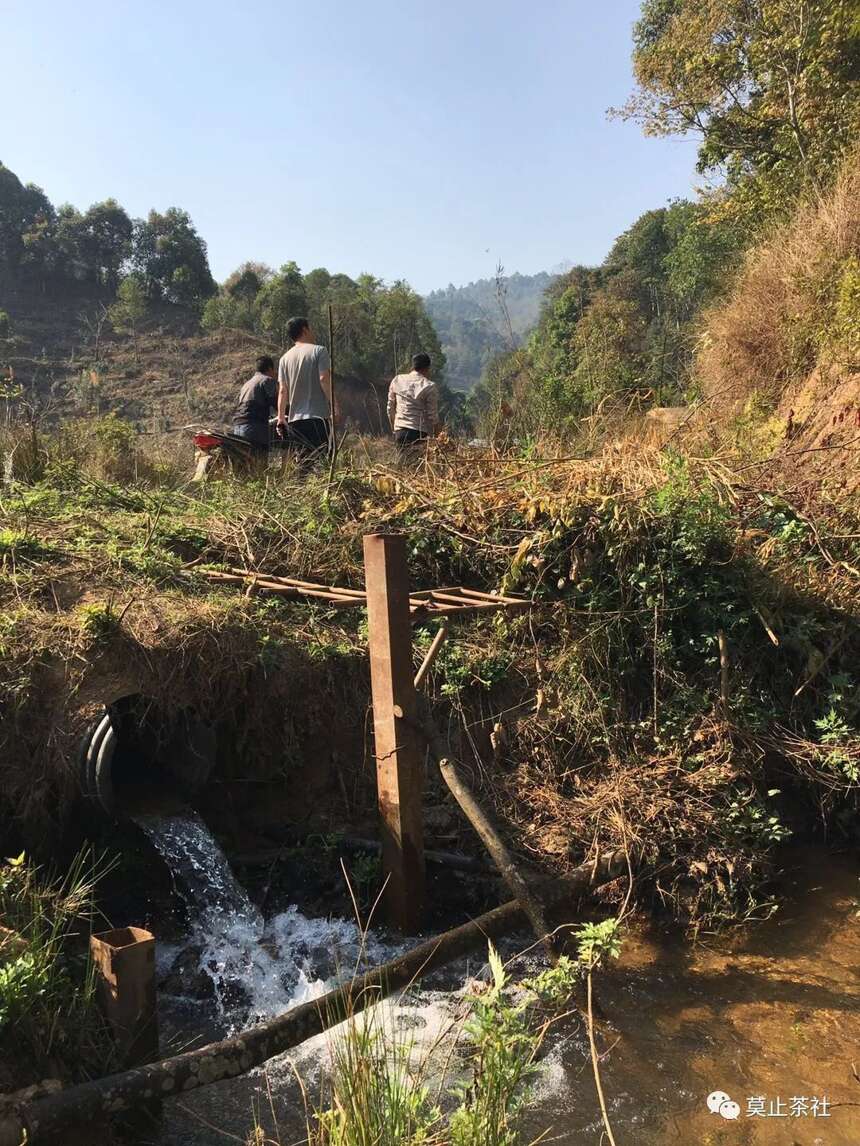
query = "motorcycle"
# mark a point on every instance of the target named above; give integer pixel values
(219, 454)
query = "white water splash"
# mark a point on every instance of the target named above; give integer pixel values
(203, 877)
(258, 970)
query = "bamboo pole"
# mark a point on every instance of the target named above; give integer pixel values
(93, 1103)
(331, 386)
(292, 582)
(431, 654)
(255, 582)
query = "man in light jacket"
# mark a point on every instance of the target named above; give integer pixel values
(413, 404)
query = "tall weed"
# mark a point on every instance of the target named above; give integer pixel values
(48, 1016)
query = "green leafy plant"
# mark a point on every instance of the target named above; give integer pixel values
(463, 668)
(749, 819)
(501, 1062)
(596, 943)
(835, 730)
(17, 544)
(554, 986)
(379, 1092)
(48, 1013)
(380, 1078)
(98, 620)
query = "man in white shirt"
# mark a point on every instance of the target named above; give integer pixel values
(304, 389)
(413, 404)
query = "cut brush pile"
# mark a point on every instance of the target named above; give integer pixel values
(685, 684)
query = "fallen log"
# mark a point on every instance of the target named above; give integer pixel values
(486, 830)
(95, 1102)
(502, 858)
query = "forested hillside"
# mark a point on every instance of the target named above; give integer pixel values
(99, 311)
(478, 321)
(771, 92)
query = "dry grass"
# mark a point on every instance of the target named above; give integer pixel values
(786, 314)
(594, 721)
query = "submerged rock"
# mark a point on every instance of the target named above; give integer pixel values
(187, 978)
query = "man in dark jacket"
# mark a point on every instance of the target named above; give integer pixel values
(257, 399)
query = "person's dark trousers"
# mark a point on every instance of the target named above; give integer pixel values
(405, 438)
(257, 438)
(311, 434)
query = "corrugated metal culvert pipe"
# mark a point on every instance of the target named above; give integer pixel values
(136, 756)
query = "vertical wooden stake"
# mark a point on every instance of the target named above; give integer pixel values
(398, 761)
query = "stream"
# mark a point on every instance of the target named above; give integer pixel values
(765, 1019)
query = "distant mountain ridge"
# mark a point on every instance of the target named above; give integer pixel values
(472, 326)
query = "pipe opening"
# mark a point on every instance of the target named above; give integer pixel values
(137, 757)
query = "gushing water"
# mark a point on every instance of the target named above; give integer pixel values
(257, 969)
(701, 1029)
(214, 897)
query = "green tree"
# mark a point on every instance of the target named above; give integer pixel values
(130, 308)
(609, 342)
(237, 303)
(511, 383)
(317, 284)
(704, 248)
(42, 259)
(21, 209)
(104, 241)
(771, 86)
(402, 329)
(247, 281)
(172, 259)
(283, 297)
(551, 346)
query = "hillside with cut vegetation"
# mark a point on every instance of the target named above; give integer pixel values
(100, 312)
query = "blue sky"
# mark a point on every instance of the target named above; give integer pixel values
(424, 141)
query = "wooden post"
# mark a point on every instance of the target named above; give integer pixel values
(398, 761)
